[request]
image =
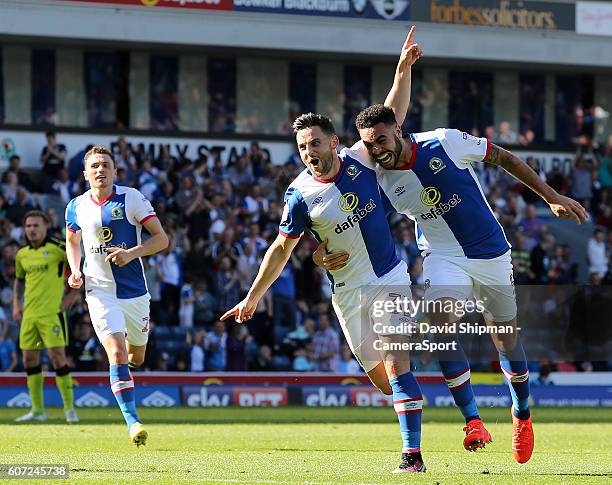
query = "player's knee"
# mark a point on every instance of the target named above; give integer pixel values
(135, 361)
(117, 356)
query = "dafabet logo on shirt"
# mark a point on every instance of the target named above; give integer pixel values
(357, 213)
(431, 196)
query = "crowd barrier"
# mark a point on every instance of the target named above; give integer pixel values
(267, 389)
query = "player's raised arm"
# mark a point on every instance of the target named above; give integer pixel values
(274, 261)
(561, 206)
(398, 98)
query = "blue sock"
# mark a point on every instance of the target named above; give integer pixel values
(408, 404)
(122, 386)
(456, 369)
(514, 367)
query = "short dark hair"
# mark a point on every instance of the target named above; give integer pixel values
(309, 120)
(14, 157)
(98, 150)
(49, 133)
(373, 115)
(35, 213)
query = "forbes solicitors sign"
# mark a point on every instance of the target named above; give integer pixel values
(497, 13)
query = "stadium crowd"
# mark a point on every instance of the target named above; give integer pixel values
(221, 216)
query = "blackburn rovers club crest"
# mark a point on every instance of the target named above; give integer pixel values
(46, 254)
(390, 9)
(359, 5)
(436, 165)
(116, 213)
(352, 171)
(7, 149)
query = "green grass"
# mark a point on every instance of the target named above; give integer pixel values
(307, 445)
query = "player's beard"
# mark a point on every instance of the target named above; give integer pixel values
(391, 157)
(325, 164)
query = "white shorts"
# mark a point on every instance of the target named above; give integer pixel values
(356, 311)
(110, 314)
(489, 280)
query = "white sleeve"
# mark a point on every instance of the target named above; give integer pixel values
(360, 153)
(138, 207)
(462, 147)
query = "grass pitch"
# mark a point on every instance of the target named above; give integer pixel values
(315, 446)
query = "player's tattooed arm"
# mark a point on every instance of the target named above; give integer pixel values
(18, 290)
(561, 206)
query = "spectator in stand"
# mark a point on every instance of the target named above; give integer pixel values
(236, 348)
(227, 284)
(604, 167)
(227, 247)
(216, 343)
(283, 296)
(506, 136)
(10, 187)
(254, 237)
(23, 178)
(490, 133)
(83, 346)
(303, 360)
(197, 351)
(581, 181)
(8, 351)
(152, 277)
(540, 260)
(347, 364)
(52, 157)
(531, 227)
(63, 187)
(124, 157)
(325, 346)
(241, 173)
(521, 260)
(562, 272)
(254, 204)
(205, 304)
(18, 207)
(187, 303)
(257, 159)
(596, 253)
(263, 362)
(187, 194)
(169, 273)
(147, 179)
(527, 138)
